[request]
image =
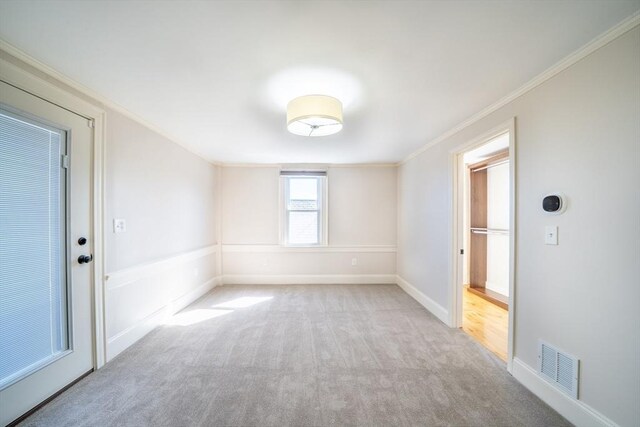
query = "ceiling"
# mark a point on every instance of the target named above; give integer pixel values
(216, 75)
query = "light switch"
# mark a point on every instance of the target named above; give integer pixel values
(551, 235)
(119, 225)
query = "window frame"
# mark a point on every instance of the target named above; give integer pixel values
(322, 231)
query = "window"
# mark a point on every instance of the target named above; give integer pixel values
(304, 222)
(33, 282)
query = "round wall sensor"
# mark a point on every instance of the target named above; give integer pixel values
(554, 203)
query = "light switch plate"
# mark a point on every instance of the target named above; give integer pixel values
(119, 225)
(551, 235)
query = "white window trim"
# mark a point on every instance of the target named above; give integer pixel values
(323, 232)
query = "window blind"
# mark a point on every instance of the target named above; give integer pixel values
(33, 320)
(302, 173)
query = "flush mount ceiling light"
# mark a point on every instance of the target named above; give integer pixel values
(314, 115)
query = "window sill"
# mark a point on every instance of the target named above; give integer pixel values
(303, 246)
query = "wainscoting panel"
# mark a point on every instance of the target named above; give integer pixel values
(335, 264)
(140, 298)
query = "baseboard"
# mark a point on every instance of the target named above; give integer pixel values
(308, 279)
(575, 411)
(118, 343)
(313, 249)
(436, 309)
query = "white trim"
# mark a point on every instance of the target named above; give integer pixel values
(513, 248)
(309, 249)
(325, 208)
(308, 279)
(595, 44)
(99, 159)
(38, 87)
(576, 411)
(123, 340)
(34, 85)
(436, 309)
(598, 42)
(456, 167)
(218, 219)
(40, 66)
(129, 275)
(311, 166)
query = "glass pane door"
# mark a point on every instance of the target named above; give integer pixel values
(33, 276)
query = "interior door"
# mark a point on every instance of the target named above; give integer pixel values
(46, 242)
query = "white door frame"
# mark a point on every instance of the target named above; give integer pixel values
(457, 179)
(20, 78)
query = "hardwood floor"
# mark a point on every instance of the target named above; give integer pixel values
(486, 322)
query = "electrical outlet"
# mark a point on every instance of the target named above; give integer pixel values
(354, 261)
(119, 225)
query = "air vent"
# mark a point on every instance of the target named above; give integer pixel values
(559, 368)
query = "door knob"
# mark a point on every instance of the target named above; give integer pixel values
(84, 259)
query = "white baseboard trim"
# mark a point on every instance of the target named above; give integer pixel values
(305, 249)
(575, 411)
(308, 279)
(436, 309)
(118, 343)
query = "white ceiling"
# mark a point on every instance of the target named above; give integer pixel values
(216, 75)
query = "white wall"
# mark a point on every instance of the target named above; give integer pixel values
(167, 256)
(165, 193)
(169, 198)
(362, 206)
(250, 210)
(578, 133)
(362, 225)
(498, 218)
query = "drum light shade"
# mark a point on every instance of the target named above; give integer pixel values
(314, 115)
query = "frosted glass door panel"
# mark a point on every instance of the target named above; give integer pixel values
(33, 279)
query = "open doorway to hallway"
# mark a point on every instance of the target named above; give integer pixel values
(484, 282)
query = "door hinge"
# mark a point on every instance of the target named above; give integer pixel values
(461, 251)
(65, 161)
(91, 123)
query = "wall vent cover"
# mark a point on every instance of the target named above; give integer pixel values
(559, 368)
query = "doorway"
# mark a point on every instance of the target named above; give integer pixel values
(484, 225)
(46, 250)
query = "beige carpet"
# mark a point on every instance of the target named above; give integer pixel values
(301, 356)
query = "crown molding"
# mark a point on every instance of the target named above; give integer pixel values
(600, 41)
(595, 44)
(95, 96)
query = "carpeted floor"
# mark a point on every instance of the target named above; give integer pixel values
(301, 356)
